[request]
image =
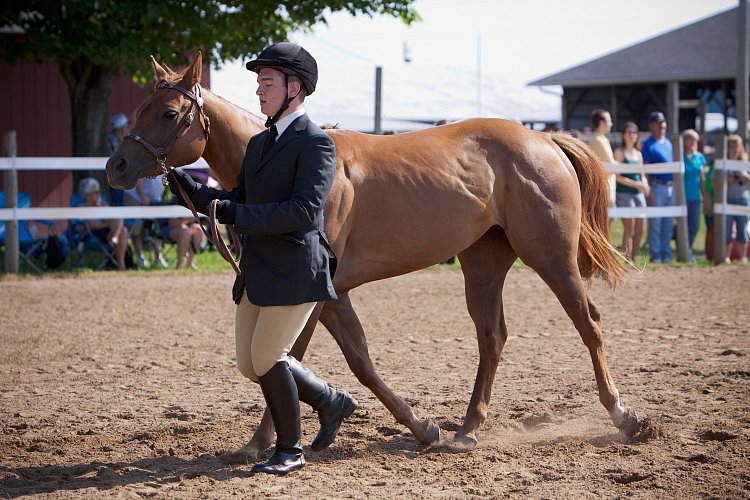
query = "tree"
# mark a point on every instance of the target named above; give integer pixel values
(94, 41)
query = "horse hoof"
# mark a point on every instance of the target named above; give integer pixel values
(464, 442)
(631, 424)
(238, 458)
(432, 433)
(244, 456)
(645, 429)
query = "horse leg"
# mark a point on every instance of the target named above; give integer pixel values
(565, 281)
(342, 322)
(262, 439)
(485, 265)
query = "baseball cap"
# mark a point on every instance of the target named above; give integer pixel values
(119, 120)
(656, 116)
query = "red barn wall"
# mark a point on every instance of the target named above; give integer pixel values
(35, 103)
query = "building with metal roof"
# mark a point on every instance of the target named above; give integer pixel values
(685, 73)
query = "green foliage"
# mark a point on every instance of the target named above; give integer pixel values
(120, 34)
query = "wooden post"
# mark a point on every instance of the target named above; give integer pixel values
(719, 182)
(742, 83)
(683, 252)
(673, 106)
(10, 181)
(377, 129)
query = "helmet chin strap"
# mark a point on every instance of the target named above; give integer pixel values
(273, 119)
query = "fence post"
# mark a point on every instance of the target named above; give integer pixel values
(719, 182)
(683, 252)
(10, 181)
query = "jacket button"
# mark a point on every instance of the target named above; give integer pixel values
(257, 180)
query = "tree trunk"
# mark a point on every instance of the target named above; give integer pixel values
(89, 87)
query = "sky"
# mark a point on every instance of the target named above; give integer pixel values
(468, 57)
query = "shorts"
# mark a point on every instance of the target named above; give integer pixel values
(630, 200)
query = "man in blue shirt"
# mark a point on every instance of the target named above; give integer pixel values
(658, 149)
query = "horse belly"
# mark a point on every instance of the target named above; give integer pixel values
(408, 232)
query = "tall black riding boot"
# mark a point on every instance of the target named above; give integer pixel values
(332, 405)
(280, 392)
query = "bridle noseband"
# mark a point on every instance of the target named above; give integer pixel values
(161, 153)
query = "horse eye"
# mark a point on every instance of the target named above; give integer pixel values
(170, 115)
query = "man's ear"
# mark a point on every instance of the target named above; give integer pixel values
(295, 88)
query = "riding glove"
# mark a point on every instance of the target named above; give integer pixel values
(226, 211)
(187, 182)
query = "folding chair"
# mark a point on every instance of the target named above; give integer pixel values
(31, 250)
(81, 239)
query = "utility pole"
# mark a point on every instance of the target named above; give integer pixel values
(479, 74)
(378, 129)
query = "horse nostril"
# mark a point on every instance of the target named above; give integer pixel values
(121, 165)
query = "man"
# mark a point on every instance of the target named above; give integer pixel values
(277, 206)
(119, 124)
(658, 149)
(601, 123)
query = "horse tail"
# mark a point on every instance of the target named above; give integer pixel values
(596, 254)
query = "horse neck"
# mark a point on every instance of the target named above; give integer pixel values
(231, 130)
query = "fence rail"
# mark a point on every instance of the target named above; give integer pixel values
(11, 164)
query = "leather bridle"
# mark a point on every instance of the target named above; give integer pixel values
(161, 153)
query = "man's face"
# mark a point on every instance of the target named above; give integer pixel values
(271, 90)
(657, 129)
(606, 124)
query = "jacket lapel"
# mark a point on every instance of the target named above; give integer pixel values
(289, 135)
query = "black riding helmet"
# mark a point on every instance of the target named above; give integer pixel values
(290, 59)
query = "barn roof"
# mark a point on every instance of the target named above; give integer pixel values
(704, 50)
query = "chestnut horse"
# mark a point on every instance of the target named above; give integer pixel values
(487, 190)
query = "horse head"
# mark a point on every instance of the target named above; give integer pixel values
(171, 128)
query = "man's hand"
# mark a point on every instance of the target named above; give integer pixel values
(226, 211)
(188, 184)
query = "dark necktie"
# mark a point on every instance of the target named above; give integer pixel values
(270, 139)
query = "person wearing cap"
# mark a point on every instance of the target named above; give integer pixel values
(658, 149)
(287, 263)
(119, 124)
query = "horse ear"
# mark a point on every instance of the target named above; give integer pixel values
(194, 72)
(160, 74)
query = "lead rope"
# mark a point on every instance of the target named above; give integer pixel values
(214, 236)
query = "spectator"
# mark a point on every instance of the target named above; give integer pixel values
(707, 191)
(601, 121)
(111, 231)
(737, 194)
(631, 190)
(657, 149)
(694, 163)
(189, 238)
(119, 124)
(147, 191)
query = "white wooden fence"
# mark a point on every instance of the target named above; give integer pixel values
(11, 164)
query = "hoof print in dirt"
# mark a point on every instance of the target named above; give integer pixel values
(388, 431)
(712, 435)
